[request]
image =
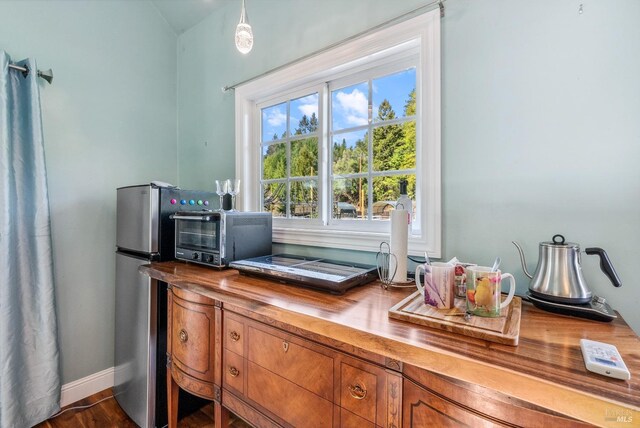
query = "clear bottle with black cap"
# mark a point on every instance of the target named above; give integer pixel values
(404, 202)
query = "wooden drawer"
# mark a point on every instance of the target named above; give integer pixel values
(350, 420)
(359, 391)
(297, 382)
(421, 408)
(192, 328)
(234, 333)
(294, 359)
(286, 400)
(432, 397)
(233, 372)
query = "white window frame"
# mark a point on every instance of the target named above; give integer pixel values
(419, 35)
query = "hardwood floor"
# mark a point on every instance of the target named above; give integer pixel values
(109, 414)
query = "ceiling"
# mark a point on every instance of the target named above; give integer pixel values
(184, 14)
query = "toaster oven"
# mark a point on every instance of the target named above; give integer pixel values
(216, 238)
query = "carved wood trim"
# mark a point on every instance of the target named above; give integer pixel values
(217, 352)
(394, 397)
(392, 364)
(217, 394)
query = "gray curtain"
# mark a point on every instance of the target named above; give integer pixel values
(29, 366)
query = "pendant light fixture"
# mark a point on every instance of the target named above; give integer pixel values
(244, 35)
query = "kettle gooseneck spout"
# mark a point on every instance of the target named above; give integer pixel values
(522, 260)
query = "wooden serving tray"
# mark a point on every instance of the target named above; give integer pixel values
(504, 329)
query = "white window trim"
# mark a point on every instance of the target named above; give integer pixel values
(422, 31)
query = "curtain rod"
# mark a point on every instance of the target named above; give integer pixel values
(46, 74)
(403, 17)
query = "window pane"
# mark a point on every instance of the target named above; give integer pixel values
(350, 197)
(304, 157)
(274, 122)
(304, 199)
(394, 147)
(386, 191)
(350, 155)
(304, 115)
(394, 95)
(274, 197)
(274, 161)
(350, 106)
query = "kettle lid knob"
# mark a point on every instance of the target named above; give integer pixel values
(558, 239)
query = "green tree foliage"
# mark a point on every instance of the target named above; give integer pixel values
(275, 162)
(393, 149)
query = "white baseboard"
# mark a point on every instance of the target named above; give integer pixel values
(89, 385)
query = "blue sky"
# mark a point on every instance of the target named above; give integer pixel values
(349, 105)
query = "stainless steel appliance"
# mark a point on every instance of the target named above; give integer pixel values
(144, 233)
(215, 238)
(558, 284)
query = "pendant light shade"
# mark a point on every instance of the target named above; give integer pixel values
(244, 35)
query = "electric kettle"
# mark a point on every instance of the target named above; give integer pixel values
(558, 277)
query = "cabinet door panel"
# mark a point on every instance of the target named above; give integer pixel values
(192, 338)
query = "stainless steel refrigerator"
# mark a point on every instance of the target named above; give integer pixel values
(145, 233)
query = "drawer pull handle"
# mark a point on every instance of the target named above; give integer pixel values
(357, 392)
(285, 346)
(182, 334)
(234, 336)
(234, 372)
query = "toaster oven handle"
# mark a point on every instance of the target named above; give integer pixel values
(190, 217)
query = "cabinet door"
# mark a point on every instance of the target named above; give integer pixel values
(193, 337)
(422, 408)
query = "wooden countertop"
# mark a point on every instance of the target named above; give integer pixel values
(545, 369)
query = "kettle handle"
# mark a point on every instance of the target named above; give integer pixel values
(605, 265)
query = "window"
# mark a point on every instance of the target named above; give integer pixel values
(290, 145)
(323, 144)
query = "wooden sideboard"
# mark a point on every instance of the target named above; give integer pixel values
(280, 355)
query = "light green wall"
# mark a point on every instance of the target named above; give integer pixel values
(540, 108)
(109, 120)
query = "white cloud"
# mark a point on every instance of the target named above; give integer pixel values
(309, 99)
(276, 118)
(308, 109)
(353, 107)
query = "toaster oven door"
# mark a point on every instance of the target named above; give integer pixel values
(198, 232)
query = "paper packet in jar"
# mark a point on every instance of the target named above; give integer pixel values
(460, 276)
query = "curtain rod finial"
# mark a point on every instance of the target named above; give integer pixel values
(46, 75)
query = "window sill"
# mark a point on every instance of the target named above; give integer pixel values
(349, 240)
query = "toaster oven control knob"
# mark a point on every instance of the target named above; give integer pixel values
(208, 258)
(195, 256)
